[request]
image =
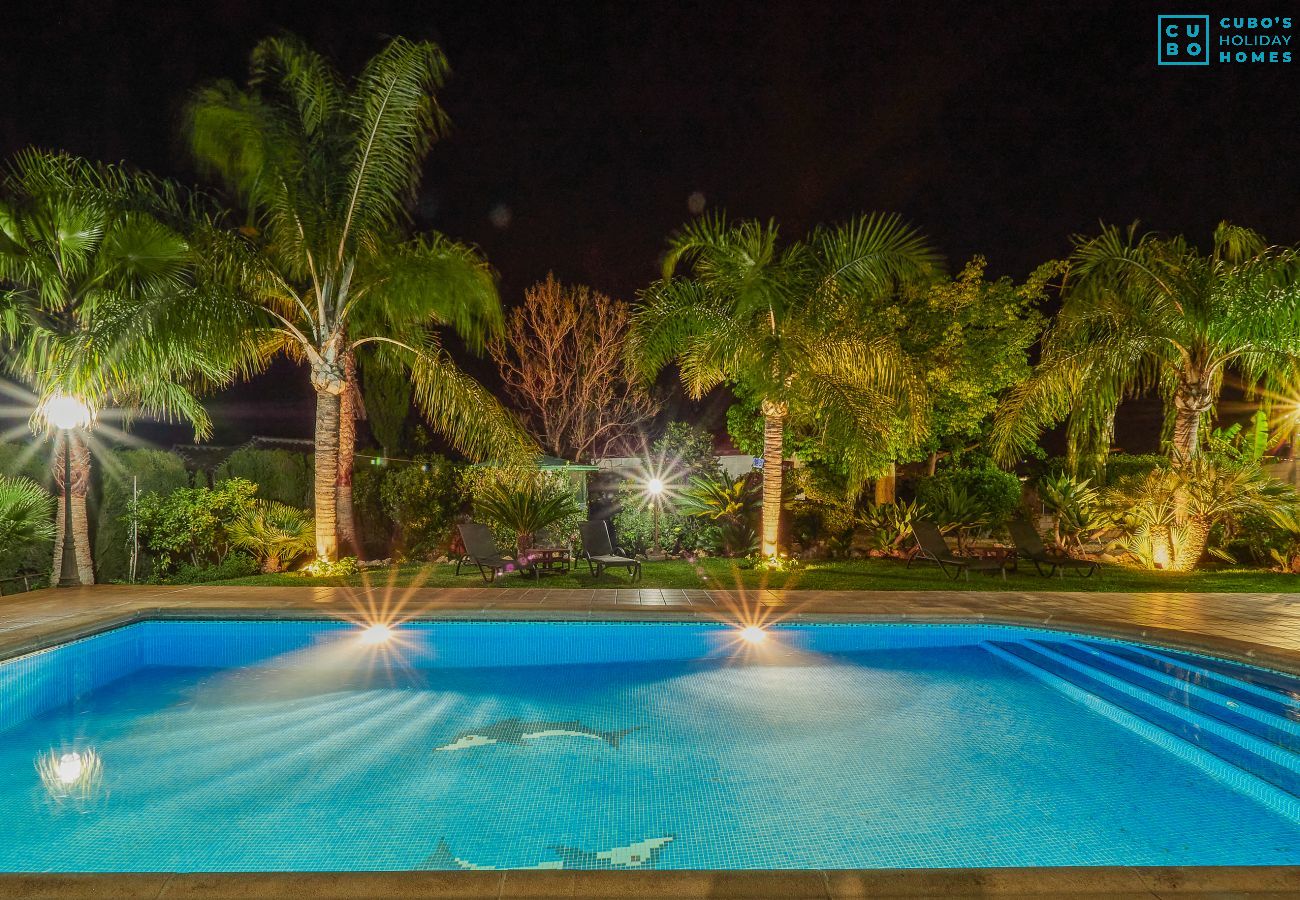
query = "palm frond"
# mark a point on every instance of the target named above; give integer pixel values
(397, 117)
(431, 280)
(455, 405)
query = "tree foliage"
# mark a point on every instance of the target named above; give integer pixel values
(275, 534)
(789, 326)
(99, 298)
(326, 167)
(1144, 313)
(26, 521)
(562, 363)
(191, 525)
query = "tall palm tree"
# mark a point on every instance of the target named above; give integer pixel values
(788, 326)
(326, 168)
(1148, 313)
(98, 302)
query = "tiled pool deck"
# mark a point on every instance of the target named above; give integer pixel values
(1263, 628)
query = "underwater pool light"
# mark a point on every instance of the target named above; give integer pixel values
(69, 768)
(71, 773)
(376, 634)
(753, 634)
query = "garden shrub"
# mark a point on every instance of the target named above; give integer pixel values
(538, 510)
(889, 525)
(235, 565)
(157, 471)
(633, 524)
(1075, 507)
(982, 497)
(721, 514)
(282, 476)
(26, 526)
(1169, 517)
(275, 534)
(822, 514)
(323, 568)
(191, 525)
(499, 495)
(1120, 466)
(422, 499)
(375, 529)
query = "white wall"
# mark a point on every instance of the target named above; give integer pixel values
(630, 466)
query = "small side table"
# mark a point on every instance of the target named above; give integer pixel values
(549, 560)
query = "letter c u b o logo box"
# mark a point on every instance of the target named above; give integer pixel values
(1183, 41)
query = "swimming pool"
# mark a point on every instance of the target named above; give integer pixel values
(312, 745)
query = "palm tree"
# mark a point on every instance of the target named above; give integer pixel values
(326, 168)
(790, 327)
(25, 513)
(1168, 515)
(1143, 312)
(98, 302)
(275, 533)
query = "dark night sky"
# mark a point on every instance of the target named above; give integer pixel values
(999, 128)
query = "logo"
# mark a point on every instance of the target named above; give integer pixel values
(1183, 41)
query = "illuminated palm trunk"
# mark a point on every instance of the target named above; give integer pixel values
(349, 412)
(79, 488)
(327, 468)
(773, 433)
(886, 485)
(1191, 399)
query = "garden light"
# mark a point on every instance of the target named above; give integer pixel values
(66, 412)
(655, 486)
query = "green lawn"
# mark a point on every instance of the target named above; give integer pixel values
(867, 574)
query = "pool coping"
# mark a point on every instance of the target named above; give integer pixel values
(788, 885)
(821, 884)
(1250, 652)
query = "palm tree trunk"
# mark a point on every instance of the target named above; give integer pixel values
(1188, 552)
(773, 435)
(1191, 399)
(80, 487)
(349, 411)
(886, 485)
(327, 469)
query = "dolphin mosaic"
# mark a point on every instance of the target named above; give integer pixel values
(517, 732)
(641, 855)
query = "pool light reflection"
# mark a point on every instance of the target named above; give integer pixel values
(376, 634)
(753, 634)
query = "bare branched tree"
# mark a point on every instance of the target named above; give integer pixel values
(561, 360)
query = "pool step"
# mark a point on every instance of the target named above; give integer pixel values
(1200, 719)
(1191, 674)
(1216, 698)
(1272, 683)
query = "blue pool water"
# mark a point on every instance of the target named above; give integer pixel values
(192, 746)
